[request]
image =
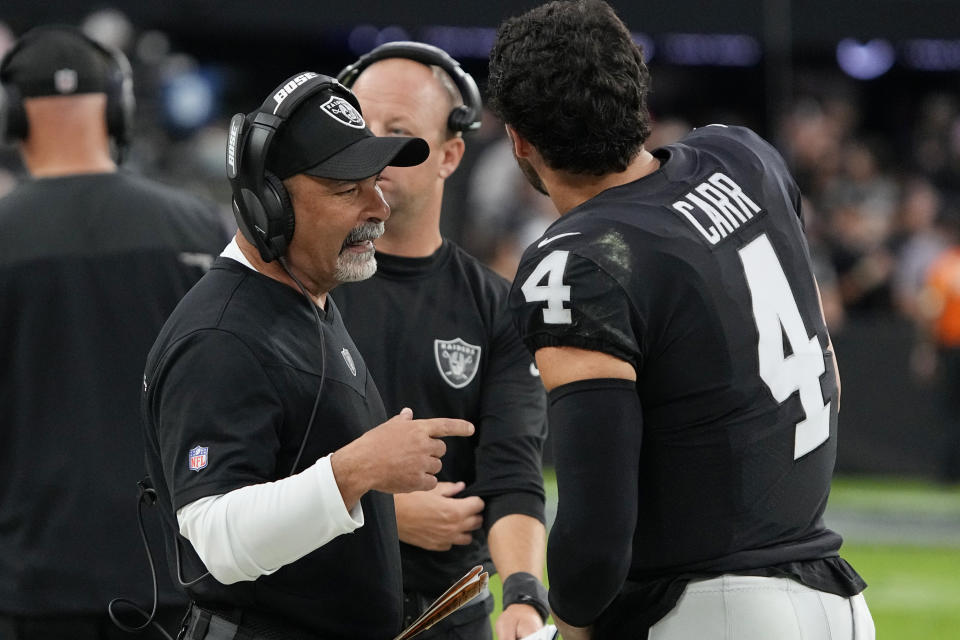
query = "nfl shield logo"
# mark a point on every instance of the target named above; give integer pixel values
(343, 111)
(457, 360)
(198, 458)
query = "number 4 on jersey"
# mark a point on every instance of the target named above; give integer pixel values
(774, 307)
(554, 292)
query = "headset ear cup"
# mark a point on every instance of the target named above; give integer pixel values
(120, 98)
(460, 119)
(115, 123)
(120, 108)
(14, 118)
(121, 103)
(283, 216)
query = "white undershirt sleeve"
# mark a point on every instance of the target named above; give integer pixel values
(255, 530)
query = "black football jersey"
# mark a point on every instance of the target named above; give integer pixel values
(229, 394)
(699, 276)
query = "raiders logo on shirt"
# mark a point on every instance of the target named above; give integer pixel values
(457, 361)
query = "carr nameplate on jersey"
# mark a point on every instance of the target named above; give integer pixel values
(457, 360)
(717, 208)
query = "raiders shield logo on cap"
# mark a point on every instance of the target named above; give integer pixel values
(457, 360)
(343, 111)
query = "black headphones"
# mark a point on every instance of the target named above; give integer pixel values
(261, 204)
(463, 118)
(121, 103)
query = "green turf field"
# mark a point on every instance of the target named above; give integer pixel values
(913, 592)
(903, 537)
(914, 577)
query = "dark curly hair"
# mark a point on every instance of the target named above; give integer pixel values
(569, 78)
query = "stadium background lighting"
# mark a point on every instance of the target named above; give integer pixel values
(865, 61)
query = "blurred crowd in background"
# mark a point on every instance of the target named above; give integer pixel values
(878, 212)
(881, 195)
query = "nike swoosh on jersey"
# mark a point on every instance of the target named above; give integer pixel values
(547, 241)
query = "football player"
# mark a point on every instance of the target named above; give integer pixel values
(675, 320)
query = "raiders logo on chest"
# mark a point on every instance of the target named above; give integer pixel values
(457, 360)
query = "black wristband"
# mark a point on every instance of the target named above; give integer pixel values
(524, 588)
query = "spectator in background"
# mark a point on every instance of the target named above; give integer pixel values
(936, 141)
(92, 260)
(820, 260)
(812, 144)
(860, 202)
(938, 311)
(506, 213)
(920, 242)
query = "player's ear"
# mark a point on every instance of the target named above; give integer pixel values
(451, 152)
(521, 147)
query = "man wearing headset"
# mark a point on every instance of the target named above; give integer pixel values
(449, 349)
(92, 260)
(266, 436)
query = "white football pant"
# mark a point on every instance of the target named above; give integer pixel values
(734, 607)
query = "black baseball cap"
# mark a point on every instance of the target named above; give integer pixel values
(327, 137)
(55, 61)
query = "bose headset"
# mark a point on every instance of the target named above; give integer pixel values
(261, 204)
(121, 103)
(463, 118)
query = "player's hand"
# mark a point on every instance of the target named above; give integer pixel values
(435, 520)
(517, 621)
(402, 454)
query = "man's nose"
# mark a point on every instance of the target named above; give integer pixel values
(377, 207)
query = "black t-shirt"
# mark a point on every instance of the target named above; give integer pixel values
(437, 338)
(699, 276)
(90, 267)
(235, 371)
